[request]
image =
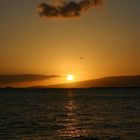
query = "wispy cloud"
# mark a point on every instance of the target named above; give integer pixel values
(7, 79)
(66, 9)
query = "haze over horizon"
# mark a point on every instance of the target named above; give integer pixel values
(39, 81)
(50, 40)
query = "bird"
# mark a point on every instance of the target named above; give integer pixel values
(81, 58)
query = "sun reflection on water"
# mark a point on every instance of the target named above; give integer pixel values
(72, 120)
(72, 127)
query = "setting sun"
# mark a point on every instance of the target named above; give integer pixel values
(70, 77)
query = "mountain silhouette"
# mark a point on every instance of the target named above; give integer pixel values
(112, 81)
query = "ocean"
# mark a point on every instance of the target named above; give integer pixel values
(70, 114)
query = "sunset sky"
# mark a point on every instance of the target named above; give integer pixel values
(102, 41)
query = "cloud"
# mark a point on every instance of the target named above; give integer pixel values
(66, 9)
(8, 79)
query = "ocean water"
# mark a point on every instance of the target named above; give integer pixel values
(70, 114)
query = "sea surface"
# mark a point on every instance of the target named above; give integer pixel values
(70, 114)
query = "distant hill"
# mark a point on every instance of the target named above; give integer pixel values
(112, 81)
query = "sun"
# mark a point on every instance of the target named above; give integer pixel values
(70, 77)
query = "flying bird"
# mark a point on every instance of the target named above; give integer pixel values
(81, 58)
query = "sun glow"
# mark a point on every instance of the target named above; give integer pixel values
(70, 77)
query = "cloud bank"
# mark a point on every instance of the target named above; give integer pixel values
(7, 79)
(66, 9)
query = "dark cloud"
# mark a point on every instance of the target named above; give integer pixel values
(66, 9)
(7, 79)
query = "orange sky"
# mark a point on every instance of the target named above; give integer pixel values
(106, 38)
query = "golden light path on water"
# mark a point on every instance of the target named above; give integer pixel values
(72, 127)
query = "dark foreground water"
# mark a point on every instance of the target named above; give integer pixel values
(91, 114)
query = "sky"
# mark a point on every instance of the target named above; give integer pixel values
(90, 42)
